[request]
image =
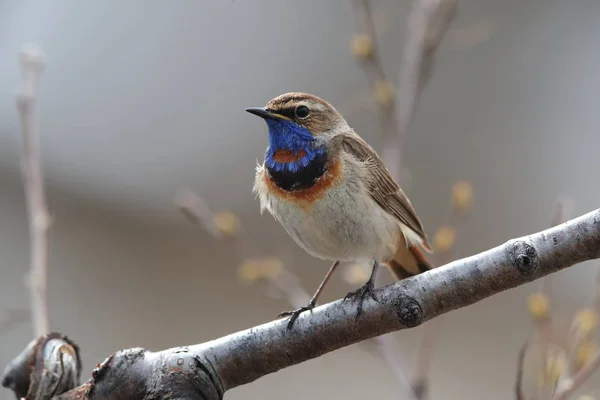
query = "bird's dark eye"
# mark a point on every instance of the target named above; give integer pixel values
(302, 112)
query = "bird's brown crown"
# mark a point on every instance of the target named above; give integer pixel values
(308, 110)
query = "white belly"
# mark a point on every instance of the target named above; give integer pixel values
(345, 224)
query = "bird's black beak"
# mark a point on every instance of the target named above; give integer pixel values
(263, 113)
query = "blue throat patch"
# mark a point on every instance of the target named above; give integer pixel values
(289, 136)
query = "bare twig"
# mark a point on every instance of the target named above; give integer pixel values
(381, 88)
(420, 381)
(223, 226)
(388, 349)
(196, 210)
(427, 24)
(283, 282)
(540, 309)
(206, 371)
(578, 379)
(428, 21)
(519, 381)
(39, 219)
(582, 330)
(444, 255)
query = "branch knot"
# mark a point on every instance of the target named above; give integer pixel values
(523, 256)
(408, 311)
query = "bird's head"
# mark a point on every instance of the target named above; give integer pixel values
(300, 126)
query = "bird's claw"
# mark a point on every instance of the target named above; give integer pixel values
(295, 314)
(360, 294)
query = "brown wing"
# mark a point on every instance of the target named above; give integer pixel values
(383, 188)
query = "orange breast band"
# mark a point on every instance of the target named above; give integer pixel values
(306, 197)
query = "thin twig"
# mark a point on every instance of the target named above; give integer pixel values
(575, 339)
(427, 24)
(388, 349)
(376, 77)
(285, 283)
(420, 382)
(39, 220)
(425, 351)
(579, 379)
(198, 211)
(519, 381)
(543, 323)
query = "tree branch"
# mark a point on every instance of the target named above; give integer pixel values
(39, 220)
(579, 379)
(427, 23)
(520, 365)
(407, 303)
(48, 366)
(281, 282)
(207, 370)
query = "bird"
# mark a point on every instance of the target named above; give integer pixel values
(334, 196)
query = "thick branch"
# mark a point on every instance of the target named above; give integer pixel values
(206, 371)
(245, 356)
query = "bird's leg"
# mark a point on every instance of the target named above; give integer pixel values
(313, 301)
(367, 288)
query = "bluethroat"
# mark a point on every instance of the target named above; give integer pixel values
(333, 194)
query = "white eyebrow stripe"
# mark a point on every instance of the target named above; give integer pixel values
(313, 105)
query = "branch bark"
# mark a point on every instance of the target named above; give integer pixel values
(39, 219)
(206, 371)
(405, 304)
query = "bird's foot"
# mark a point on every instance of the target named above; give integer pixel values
(360, 294)
(295, 314)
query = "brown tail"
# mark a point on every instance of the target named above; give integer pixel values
(408, 262)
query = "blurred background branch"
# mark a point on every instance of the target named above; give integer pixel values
(32, 65)
(427, 23)
(280, 281)
(557, 365)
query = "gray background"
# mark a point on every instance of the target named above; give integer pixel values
(140, 98)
